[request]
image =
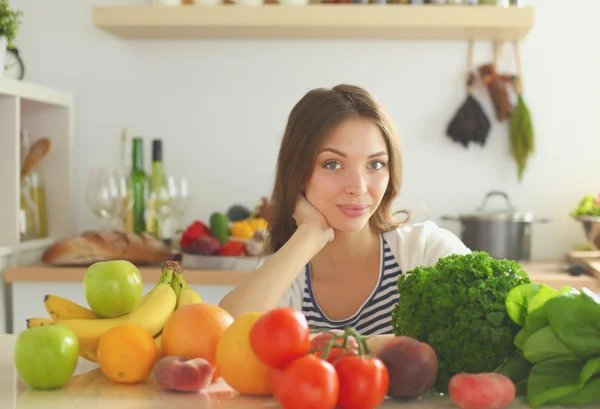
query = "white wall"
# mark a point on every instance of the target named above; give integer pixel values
(221, 107)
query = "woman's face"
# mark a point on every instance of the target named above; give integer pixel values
(350, 175)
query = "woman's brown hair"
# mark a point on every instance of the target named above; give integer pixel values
(309, 123)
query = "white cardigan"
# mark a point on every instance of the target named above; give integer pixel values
(420, 244)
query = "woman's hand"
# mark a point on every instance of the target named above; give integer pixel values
(305, 214)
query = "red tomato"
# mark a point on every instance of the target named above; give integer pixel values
(363, 382)
(307, 383)
(280, 336)
(320, 342)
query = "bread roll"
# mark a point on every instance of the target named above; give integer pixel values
(93, 246)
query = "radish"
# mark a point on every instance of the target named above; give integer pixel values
(481, 391)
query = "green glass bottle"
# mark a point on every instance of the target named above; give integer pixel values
(158, 201)
(138, 183)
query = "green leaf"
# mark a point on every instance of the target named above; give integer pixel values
(516, 368)
(553, 379)
(536, 315)
(589, 393)
(521, 338)
(517, 301)
(575, 318)
(544, 344)
(590, 369)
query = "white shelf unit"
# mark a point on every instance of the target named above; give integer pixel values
(44, 112)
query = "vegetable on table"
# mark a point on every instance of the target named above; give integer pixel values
(558, 361)
(481, 391)
(457, 306)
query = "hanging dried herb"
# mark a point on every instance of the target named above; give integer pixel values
(470, 123)
(522, 143)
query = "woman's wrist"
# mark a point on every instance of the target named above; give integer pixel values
(322, 234)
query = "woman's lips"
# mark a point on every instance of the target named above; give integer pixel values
(353, 210)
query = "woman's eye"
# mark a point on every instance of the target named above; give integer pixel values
(331, 165)
(377, 164)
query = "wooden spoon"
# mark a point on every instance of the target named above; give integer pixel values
(38, 151)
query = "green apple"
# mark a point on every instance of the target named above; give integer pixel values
(112, 288)
(45, 357)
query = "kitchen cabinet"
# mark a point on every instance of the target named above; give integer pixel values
(43, 112)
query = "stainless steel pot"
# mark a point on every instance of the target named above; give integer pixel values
(502, 234)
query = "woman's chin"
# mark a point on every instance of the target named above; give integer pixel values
(349, 226)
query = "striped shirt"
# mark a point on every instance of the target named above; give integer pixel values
(374, 316)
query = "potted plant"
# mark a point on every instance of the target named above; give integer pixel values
(10, 20)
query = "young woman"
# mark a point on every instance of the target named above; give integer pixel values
(336, 249)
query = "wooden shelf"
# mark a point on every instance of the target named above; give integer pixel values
(34, 92)
(351, 21)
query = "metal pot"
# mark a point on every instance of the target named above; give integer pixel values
(502, 234)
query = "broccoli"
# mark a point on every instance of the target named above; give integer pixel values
(458, 307)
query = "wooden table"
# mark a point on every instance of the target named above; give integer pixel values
(89, 389)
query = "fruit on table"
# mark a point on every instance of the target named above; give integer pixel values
(242, 229)
(187, 295)
(412, 367)
(233, 248)
(363, 381)
(60, 308)
(45, 357)
(237, 363)
(38, 322)
(481, 391)
(219, 226)
(126, 354)
(238, 212)
(113, 288)
(205, 245)
(182, 374)
(307, 383)
(319, 343)
(289, 327)
(193, 232)
(194, 331)
(152, 313)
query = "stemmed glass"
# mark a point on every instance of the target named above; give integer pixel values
(179, 194)
(106, 195)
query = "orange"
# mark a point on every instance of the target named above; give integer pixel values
(126, 354)
(194, 330)
(237, 364)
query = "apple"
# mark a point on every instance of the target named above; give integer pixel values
(112, 288)
(45, 357)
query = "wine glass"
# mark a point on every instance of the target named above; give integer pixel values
(179, 193)
(106, 195)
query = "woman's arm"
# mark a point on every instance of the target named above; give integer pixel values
(377, 342)
(264, 288)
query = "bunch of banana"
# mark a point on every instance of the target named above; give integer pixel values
(154, 309)
(185, 295)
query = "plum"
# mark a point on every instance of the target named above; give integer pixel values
(412, 366)
(182, 374)
(481, 391)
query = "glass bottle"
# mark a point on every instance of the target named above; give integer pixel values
(123, 181)
(158, 198)
(138, 187)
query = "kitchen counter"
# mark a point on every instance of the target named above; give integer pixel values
(88, 389)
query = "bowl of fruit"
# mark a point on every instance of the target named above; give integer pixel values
(587, 213)
(234, 240)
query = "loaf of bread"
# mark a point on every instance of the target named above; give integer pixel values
(93, 246)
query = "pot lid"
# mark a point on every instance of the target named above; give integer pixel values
(506, 214)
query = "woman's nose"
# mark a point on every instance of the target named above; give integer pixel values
(356, 184)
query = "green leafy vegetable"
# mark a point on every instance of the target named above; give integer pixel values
(560, 337)
(458, 306)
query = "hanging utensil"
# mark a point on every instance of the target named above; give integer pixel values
(522, 142)
(38, 151)
(470, 123)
